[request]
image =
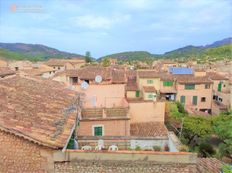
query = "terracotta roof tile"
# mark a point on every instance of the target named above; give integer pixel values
(148, 74)
(132, 85)
(183, 79)
(148, 129)
(211, 165)
(34, 109)
(91, 72)
(6, 71)
(118, 76)
(216, 76)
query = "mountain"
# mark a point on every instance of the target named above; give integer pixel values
(222, 42)
(32, 52)
(132, 55)
(216, 51)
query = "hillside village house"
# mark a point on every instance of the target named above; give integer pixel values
(193, 89)
(65, 64)
(221, 92)
(42, 70)
(19, 65)
(106, 106)
(33, 123)
(195, 92)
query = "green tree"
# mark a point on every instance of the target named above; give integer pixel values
(88, 57)
(222, 126)
(206, 150)
(106, 62)
(195, 128)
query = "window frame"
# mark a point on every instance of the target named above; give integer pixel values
(150, 81)
(187, 87)
(203, 99)
(207, 86)
(194, 101)
(184, 97)
(98, 125)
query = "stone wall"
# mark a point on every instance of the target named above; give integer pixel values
(22, 156)
(83, 166)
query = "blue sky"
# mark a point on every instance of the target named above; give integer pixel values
(109, 26)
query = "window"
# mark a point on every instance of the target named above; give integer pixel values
(207, 86)
(74, 80)
(150, 96)
(98, 130)
(168, 83)
(189, 86)
(194, 101)
(182, 99)
(58, 68)
(149, 81)
(137, 93)
(203, 99)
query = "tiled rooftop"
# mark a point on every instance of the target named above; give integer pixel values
(216, 76)
(183, 79)
(118, 76)
(6, 71)
(132, 85)
(34, 109)
(211, 165)
(148, 74)
(148, 129)
(37, 71)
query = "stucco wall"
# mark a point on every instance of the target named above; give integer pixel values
(131, 94)
(106, 95)
(111, 127)
(147, 111)
(21, 156)
(148, 144)
(156, 82)
(200, 92)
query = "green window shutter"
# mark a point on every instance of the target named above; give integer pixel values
(150, 81)
(189, 86)
(168, 83)
(220, 86)
(194, 101)
(97, 131)
(137, 93)
(150, 96)
(182, 99)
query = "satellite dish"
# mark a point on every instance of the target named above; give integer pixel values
(98, 79)
(84, 85)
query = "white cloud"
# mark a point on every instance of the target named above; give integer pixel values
(98, 22)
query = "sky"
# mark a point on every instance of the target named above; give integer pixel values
(110, 26)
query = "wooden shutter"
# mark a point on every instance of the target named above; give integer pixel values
(194, 100)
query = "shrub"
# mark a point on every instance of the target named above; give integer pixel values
(206, 150)
(137, 148)
(180, 107)
(183, 148)
(156, 148)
